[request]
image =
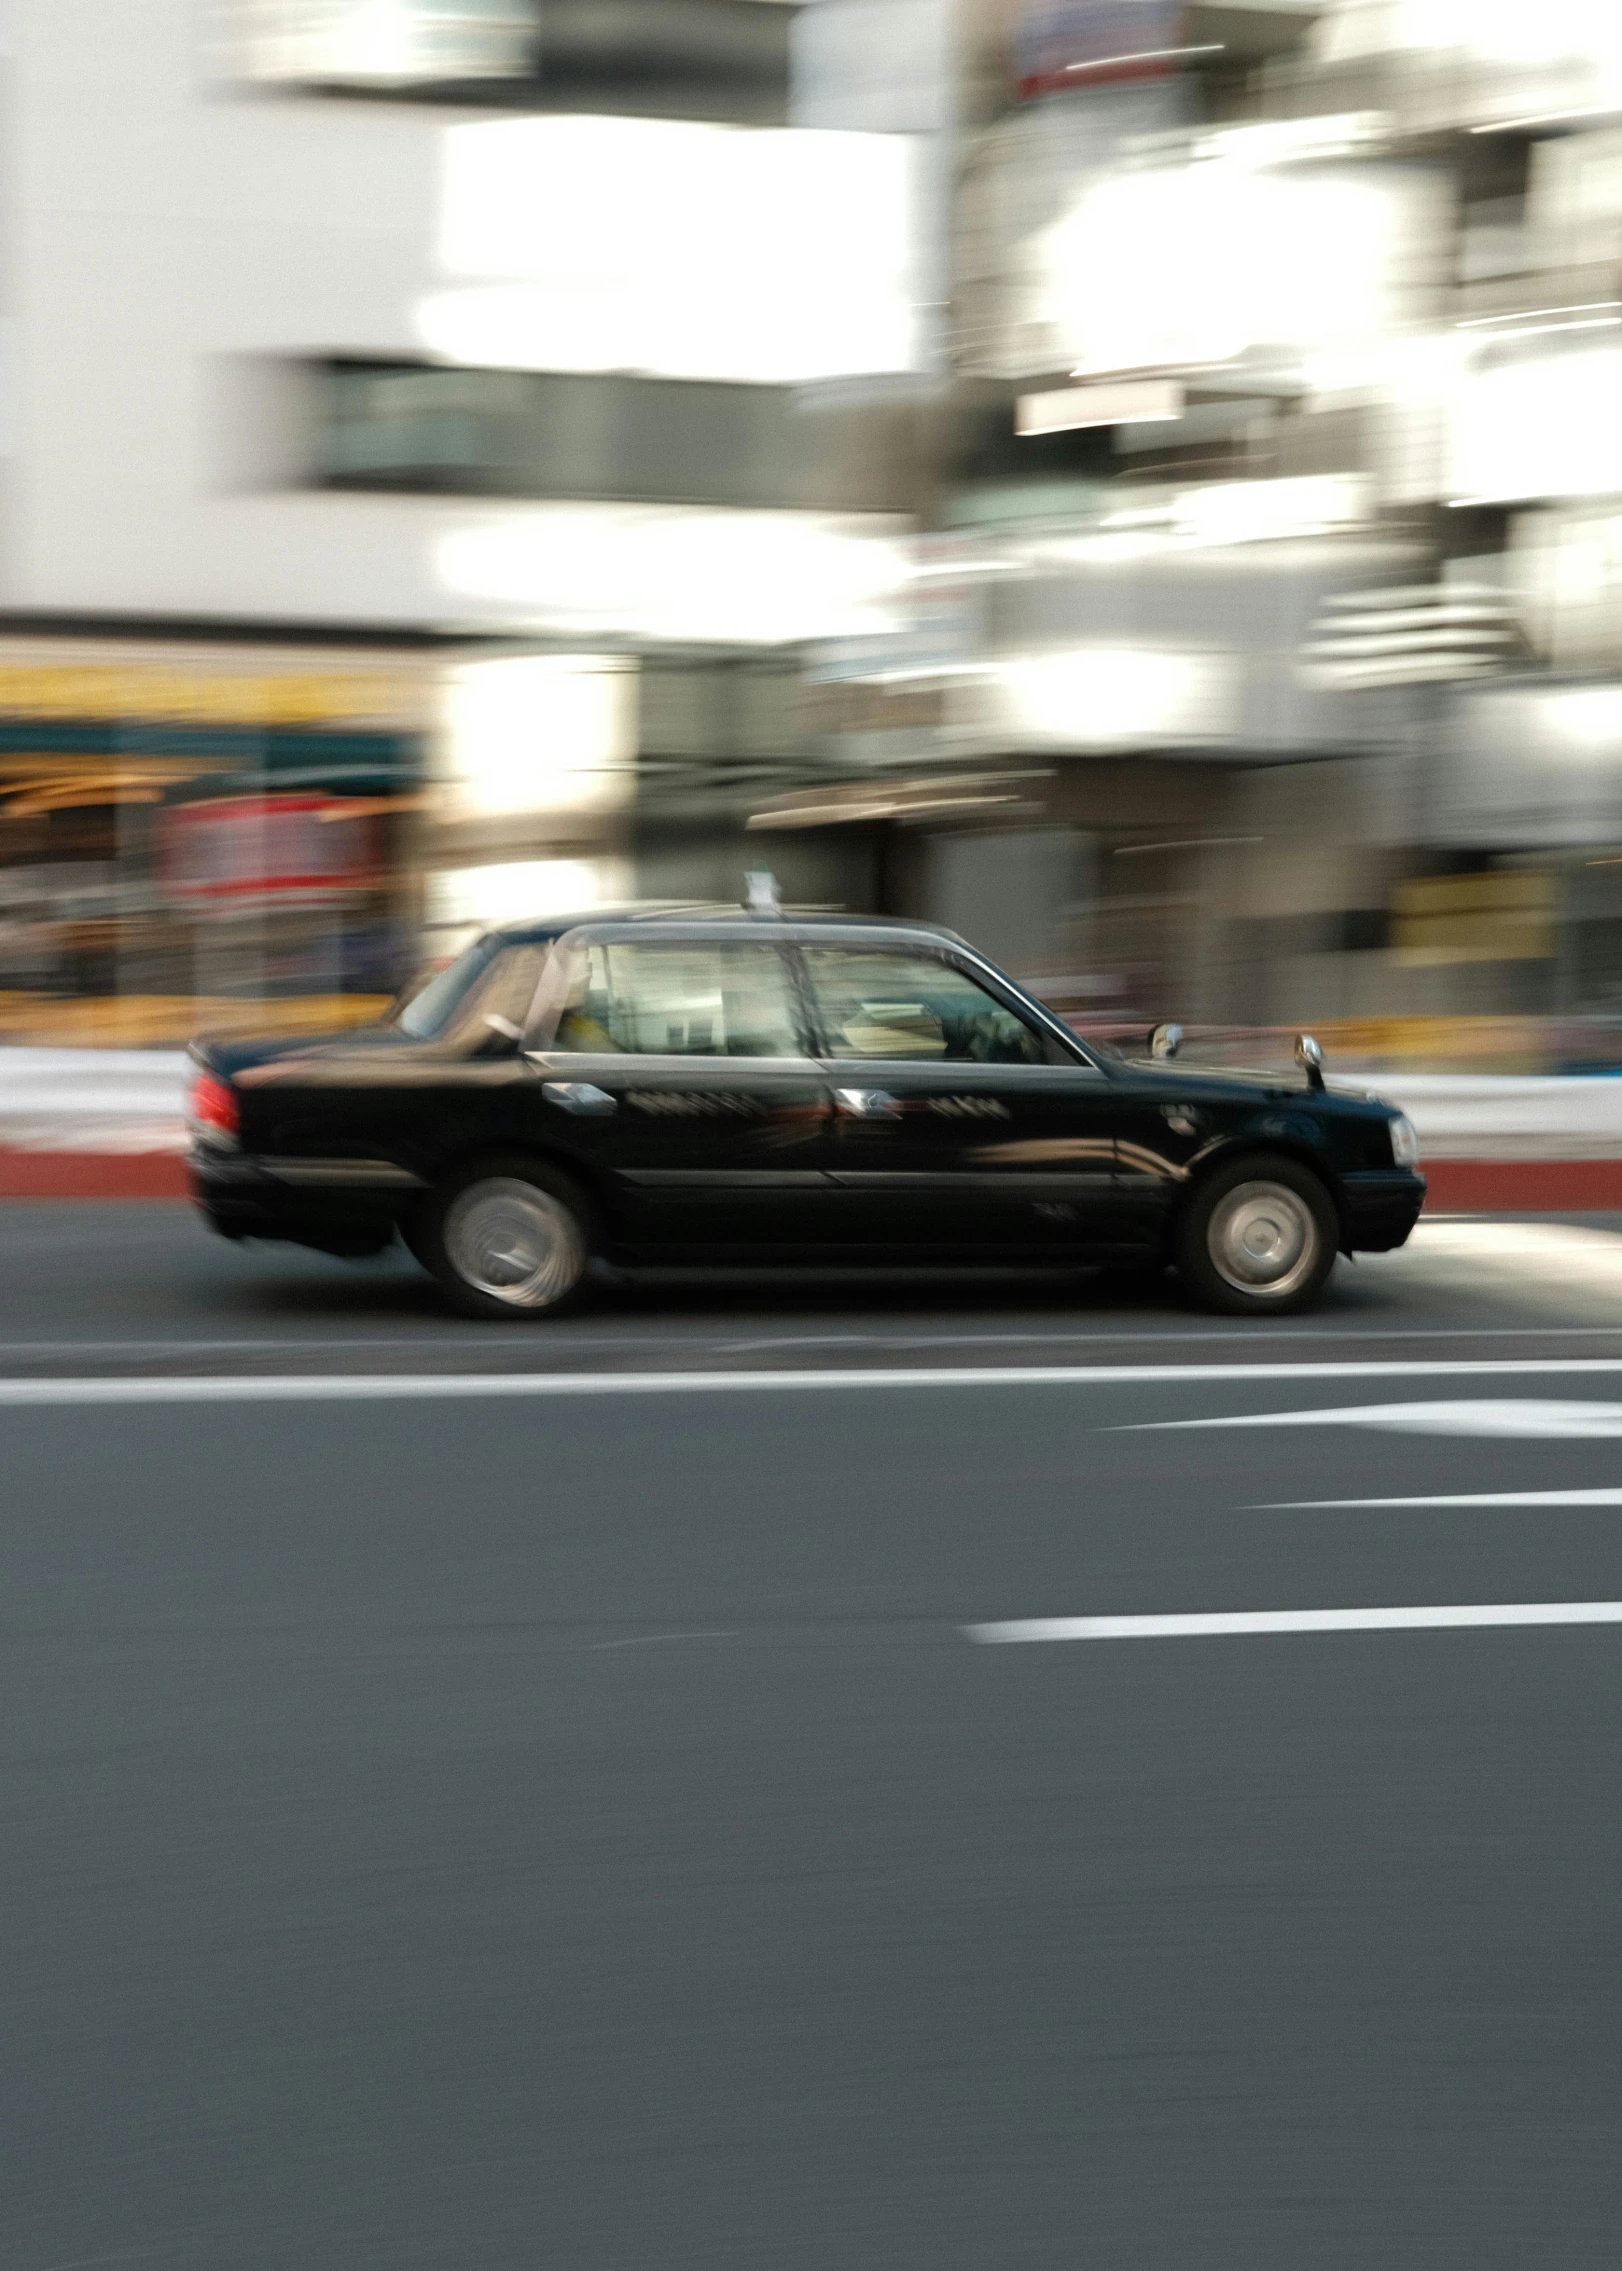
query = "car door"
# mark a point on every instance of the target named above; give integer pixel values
(677, 1071)
(958, 1122)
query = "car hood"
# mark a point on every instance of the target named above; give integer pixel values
(1241, 1084)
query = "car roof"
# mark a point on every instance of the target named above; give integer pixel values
(725, 917)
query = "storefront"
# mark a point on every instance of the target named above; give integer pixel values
(205, 834)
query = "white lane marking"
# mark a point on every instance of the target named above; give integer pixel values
(1487, 1416)
(566, 1337)
(1244, 1621)
(1468, 1498)
(407, 1387)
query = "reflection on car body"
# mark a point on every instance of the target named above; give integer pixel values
(764, 1089)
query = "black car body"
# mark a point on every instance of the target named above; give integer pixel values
(754, 1089)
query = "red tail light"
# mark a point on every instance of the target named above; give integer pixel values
(212, 1109)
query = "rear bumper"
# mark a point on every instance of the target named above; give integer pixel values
(1381, 1206)
(242, 1197)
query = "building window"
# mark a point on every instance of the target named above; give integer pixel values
(725, 61)
(381, 42)
(429, 428)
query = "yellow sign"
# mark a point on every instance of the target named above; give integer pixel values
(163, 694)
(1508, 915)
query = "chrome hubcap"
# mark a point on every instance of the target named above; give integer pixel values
(514, 1242)
(1264, 1239)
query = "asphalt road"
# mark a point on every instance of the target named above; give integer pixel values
(463, 1819)
(143, 1286)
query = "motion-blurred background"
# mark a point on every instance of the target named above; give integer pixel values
(1136, 482)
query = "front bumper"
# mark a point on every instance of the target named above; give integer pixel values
(1380, 1207)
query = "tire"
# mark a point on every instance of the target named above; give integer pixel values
(508, 1240)
(1259, 1238)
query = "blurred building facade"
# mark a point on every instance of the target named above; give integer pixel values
(437, 429)
(1270, 563)
(1134, 480)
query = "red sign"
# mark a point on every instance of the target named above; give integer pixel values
(239, 851)
(1075, 44)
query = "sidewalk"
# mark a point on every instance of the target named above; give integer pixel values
(1504, 1145)
(92, 1124)
(106, 1123)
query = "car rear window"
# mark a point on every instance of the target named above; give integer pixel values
(491, 978)
(436, 1001)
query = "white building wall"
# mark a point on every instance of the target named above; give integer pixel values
(892, 67)
(169, 243)
(154, 234)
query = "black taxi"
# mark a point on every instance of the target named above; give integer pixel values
(746, 1088)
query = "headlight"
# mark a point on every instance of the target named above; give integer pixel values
(1404, 1141)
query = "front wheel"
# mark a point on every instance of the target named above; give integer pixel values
(1258, 1238)
(509, 1240)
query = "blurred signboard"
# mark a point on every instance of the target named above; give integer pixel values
(1074, 44)
(249, 687)
(234, 854)
(1507, 916)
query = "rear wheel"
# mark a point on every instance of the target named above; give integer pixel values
(508, 1239)
(1258, 1238)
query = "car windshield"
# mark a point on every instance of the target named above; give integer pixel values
(430, 1009)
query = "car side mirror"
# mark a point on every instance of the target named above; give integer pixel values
(1164, 1042)
(1310, 1057)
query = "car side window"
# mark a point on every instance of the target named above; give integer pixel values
(704, 1000)
(876, 1004)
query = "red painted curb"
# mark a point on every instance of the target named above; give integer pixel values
(1457, 1186)
(92, 1175)
(1523, 1186)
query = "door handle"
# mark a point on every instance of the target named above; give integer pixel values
(867, 1104)
(580, 1097)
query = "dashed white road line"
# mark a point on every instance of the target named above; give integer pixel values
(1463, 1498)
(659, 1639)
(1545, 1419)
(1228, 1623)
